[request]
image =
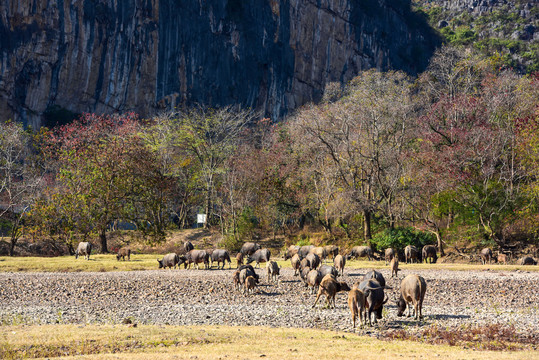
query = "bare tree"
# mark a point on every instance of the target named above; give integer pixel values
(363, 136)
(20, 177)
(209, 137)
(452, 72)
(467, 156)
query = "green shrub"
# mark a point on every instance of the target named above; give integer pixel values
(231, 243)
(5, 227)
(398, 238)
(247, 224)
(303, 242)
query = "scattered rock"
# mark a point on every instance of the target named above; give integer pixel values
(453, 298)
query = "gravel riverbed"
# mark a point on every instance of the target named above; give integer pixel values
(197, 297)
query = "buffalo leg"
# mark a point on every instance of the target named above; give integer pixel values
(371, 310)
(317, 297)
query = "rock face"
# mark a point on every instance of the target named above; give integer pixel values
(110, 56)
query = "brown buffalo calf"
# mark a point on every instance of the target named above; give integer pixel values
(394, 266)
(356, 303)
(250, 284)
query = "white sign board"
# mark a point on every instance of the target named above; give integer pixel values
(201, 218)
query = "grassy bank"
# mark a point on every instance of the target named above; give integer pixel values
(97, 263)
(103, 263)
(218, 342)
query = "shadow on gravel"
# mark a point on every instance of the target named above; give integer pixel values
(262, 292)
(445, 317)
(399, 324)
(355, 274)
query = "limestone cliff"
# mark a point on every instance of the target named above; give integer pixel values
(146, 55)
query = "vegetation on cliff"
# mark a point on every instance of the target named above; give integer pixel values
(505, 31)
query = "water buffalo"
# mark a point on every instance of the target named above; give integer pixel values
(485, 255)
(332, 250)
(320, 251)
(245, 272)
(374, 298)
(411, 253)
(303, 272)
(527, 260)
(329, 286)
(292, 250)
(312, 279)
(249, 271)
(249, 248)
(295, 262)
(373, 274)
(187, 246)
(221, 255)
(313, 259)
(273, 270)
(339, 263)
(389, 254)
(250, 284)
(169, 260)
(429, 252)
(196, 257)
(356, 303)
(502, 258)
(413, 288)
(304, 251)
(394, 266)
(239, 259)
(327, 270)
(360, 251)
(262, 255)
(123, 253)
(85, 249)
(304, 264)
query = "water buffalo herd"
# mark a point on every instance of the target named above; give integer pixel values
(367, 296)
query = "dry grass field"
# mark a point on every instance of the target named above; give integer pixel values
(105, 263)
(218, 342)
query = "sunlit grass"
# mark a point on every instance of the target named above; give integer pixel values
(70, 264)
(212, 342)
(103, 263)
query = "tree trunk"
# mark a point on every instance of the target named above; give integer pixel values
(302, 221)
(12, 246)
(449, 218)
(326, 225)
(440, 244)
(103, 238)
(367, 226)
(71, 249)
(346, 229)
(234, 225)
(15, 233)
(208, 205)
